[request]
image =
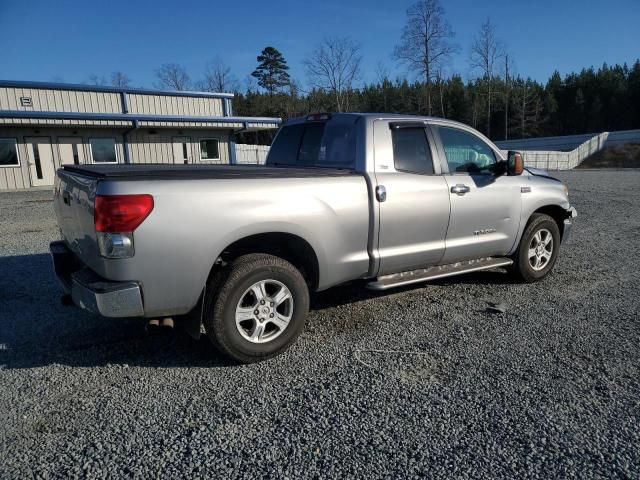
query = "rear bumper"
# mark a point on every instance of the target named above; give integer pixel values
(568, 223)
(92, 292)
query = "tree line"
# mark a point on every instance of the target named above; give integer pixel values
(495, 100)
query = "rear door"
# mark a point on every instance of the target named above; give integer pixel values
(41, 164)
(181, 150)
(71, 150)
(485, 207)
(415, 213)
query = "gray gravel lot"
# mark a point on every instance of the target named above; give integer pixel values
(419, 382)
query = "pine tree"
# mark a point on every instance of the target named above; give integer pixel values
(272, 70)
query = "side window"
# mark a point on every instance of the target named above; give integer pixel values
(103, 150)
(209, 149)
(411, 151)
(8, 153)
(465, 152)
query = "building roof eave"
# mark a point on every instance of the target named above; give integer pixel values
(101, 88)
(132, 117)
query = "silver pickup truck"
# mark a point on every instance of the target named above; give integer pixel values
(388, 199)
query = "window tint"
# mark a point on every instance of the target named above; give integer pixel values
(411, 151)
(286, 145)
(209, 149)
(8, 153)
(465, 152)
(311, 144)
(326, 144)
(103, 150)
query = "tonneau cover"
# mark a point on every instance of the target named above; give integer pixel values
(150, 171)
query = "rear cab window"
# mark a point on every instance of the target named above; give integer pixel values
(329, 144)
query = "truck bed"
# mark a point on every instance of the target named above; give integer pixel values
(154, 171)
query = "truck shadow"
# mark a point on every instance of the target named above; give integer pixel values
(357, 291)
(37, 330)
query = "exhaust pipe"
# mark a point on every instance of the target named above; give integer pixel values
(157, 325)
(66, 300)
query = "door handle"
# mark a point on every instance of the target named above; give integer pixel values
(460, 189)
(381, 193)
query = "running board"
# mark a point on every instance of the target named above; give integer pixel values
(438, 271)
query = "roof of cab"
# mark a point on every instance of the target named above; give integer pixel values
(381, 116)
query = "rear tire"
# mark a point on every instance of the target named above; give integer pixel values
(538, 249)
(256, 308)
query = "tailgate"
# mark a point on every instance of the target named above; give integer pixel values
(74, 196)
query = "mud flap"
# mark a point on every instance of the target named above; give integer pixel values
(191, 323)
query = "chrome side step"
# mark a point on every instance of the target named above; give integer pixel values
(440, 271)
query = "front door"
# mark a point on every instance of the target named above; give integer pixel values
(485, 208)
(181, 150)
(71, 150)
(415, 213)
(41, 164)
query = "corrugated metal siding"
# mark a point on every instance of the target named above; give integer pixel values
(167, 105)
(15, 177)
(60, 100)
(158, 147)
(19, 177)
(251, 154)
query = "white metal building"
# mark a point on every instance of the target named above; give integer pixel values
(45, 125)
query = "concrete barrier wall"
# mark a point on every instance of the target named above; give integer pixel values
(568, 142)
(554, 160)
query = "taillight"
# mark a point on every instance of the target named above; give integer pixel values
(121, 213)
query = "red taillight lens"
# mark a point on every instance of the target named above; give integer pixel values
(121, 213)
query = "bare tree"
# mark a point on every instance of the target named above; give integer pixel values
(250, 84)
(218, 77)
(119, 79)
(172, 76)
(528, 111)
(97, 80)
(382, 73)
(486, 51)
(334, 66)
(509, 70)
(426, 43)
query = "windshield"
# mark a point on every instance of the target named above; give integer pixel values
(315, 144)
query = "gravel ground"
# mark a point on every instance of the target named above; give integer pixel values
(419, 382)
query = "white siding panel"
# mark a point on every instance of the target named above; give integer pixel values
(47, 100)
(145, 104)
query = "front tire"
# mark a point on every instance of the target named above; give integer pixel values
(256, 308)
(538, 249)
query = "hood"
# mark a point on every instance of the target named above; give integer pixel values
(538, 172)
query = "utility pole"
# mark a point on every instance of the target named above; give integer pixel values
(506, 97)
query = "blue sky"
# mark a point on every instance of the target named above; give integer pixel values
(70, 40)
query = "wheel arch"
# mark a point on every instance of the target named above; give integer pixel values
(288, 246)
(554, 211)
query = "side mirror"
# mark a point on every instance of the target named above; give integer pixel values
(515, 164)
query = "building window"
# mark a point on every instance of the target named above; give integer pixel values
(103, 150)
(8, 153)
(209, 149)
